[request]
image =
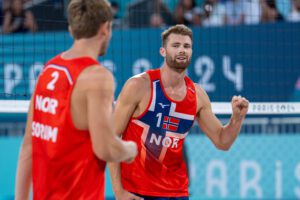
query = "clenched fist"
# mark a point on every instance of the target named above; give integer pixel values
(240, 107)
(132, 151)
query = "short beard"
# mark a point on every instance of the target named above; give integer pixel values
(173, 64)
(103, 49)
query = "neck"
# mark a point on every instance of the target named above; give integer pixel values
(83, 48)
(172, 77)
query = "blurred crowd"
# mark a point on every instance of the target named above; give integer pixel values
(230, 12)
(16, 17)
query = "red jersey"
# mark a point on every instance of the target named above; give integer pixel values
(159, 169)
(64, 165)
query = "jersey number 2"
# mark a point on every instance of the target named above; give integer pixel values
(51, 84)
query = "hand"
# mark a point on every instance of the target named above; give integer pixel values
(125, 195)
(240, 107)
(132, 150)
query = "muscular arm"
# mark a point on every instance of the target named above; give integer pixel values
(129, 98)
(23, 177)
(99, 94)
(222, 136)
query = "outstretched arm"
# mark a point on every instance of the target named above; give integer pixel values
(127, 103)
(222, 136)
(23, 177)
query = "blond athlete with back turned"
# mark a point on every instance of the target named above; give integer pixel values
(69, 133)
(156, 109)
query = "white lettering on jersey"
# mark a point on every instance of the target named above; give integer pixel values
(46, 104)
(44, 132)
(175, 142)
(166, 141)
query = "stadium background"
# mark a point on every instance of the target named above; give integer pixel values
(259, 61)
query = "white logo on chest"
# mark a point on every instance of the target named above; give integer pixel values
(163, 105)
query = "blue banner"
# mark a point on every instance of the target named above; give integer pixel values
(260, 62)
(256, 167)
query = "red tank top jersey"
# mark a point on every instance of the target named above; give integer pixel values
(63, 163)
(159, 169)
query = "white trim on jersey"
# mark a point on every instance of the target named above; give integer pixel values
(146, 128)
(153, 100)
(176, 135)
(62, 69)
(173, 113)
(144, 137)
(162, 154)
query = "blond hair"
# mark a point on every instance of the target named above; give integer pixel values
(85, 17)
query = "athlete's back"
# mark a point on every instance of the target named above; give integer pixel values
(69, 123)
(62, 154)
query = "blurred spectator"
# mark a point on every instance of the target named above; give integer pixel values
(252, 11)
(17, 20)
(197, 17)
(184, 12)
(234, 14)
(156, 21)
(284, 7)
(171, 4)
(164, 12)
(294, 16)
(5, 5)
(270, 12)
(115, 10)
(214, 13)
(1, 12)
(140, 13)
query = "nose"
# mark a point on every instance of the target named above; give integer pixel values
(182, 51)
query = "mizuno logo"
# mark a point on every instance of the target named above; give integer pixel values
(163, 105)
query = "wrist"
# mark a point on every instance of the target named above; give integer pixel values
(118, 190)
(236, 119)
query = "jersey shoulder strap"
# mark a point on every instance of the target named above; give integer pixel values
(154, 74)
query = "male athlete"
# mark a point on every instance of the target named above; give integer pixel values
(69, 133)
(156, 109)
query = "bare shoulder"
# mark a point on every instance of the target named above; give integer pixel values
(201, 94)
(202, 97)
(140, 82)
(135, 89)
(95, 77)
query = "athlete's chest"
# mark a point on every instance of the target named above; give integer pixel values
(166, 114)
(176, 94)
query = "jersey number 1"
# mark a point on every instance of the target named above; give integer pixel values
(159, 116)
